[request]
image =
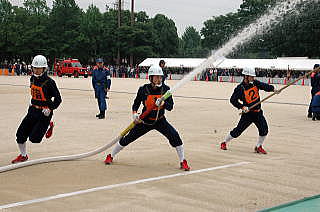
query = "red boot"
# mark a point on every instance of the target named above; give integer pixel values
(20, 158)
(50, 130)
(260, 150)
(108, 160)
(184, 165)
(223, 146)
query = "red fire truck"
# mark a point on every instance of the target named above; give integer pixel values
(70, 67)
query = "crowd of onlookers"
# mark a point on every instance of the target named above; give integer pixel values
(21, 68)
(213, 74)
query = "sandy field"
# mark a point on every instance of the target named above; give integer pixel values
(232, 180)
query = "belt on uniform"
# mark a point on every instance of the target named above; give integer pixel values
(153, 119)
(40, 107)
(256, 111)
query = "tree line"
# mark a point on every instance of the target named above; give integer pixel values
(65, 30)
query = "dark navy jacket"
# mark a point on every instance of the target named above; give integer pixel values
(248, 94)
(43, 89)
(101, 77)
(315, 83)
(147, 96)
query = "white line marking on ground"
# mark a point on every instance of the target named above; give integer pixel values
(108, 187)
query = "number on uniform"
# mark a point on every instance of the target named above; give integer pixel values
(37, 93)
(251, 94)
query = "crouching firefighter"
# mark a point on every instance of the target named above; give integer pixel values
(35, 124)
(248, 93)
(148, 95)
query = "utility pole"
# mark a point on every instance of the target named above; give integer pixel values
(132, 12)
(119, 25)
(132, 24)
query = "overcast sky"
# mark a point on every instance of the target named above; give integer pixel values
(184, 13)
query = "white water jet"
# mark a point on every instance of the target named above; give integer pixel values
(258, 27)
(273, 16)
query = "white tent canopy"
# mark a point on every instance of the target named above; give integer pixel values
(285, 63)
(174, 62)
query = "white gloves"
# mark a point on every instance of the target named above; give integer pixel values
(159, 102)
(46, 111)
(245, 109)
(135, 116)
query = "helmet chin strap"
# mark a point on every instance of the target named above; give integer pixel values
(155, 85)
(37, 75)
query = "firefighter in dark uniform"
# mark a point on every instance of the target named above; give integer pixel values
(315, 107)
(162, 64)
(248, 93)
(101, 82)
(35, 124)
(315, 87)
(148, 95)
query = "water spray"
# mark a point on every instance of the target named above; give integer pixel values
(258, 27)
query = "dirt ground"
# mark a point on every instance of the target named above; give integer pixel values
(289, 171)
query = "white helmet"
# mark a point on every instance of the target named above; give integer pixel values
(39, 61)
(155, 70)
(249, 72)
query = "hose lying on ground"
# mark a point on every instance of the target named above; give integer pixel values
(83, 155)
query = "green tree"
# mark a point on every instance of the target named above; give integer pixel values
(16, 30)
(64, 29)
(137, 40)
(296, 35)
(190, 44)
(218, 30)
(35, 34)
(91, 31)
(109, 40)
(6, 15)
(166, 36)
(143, 41)
(36, 7)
